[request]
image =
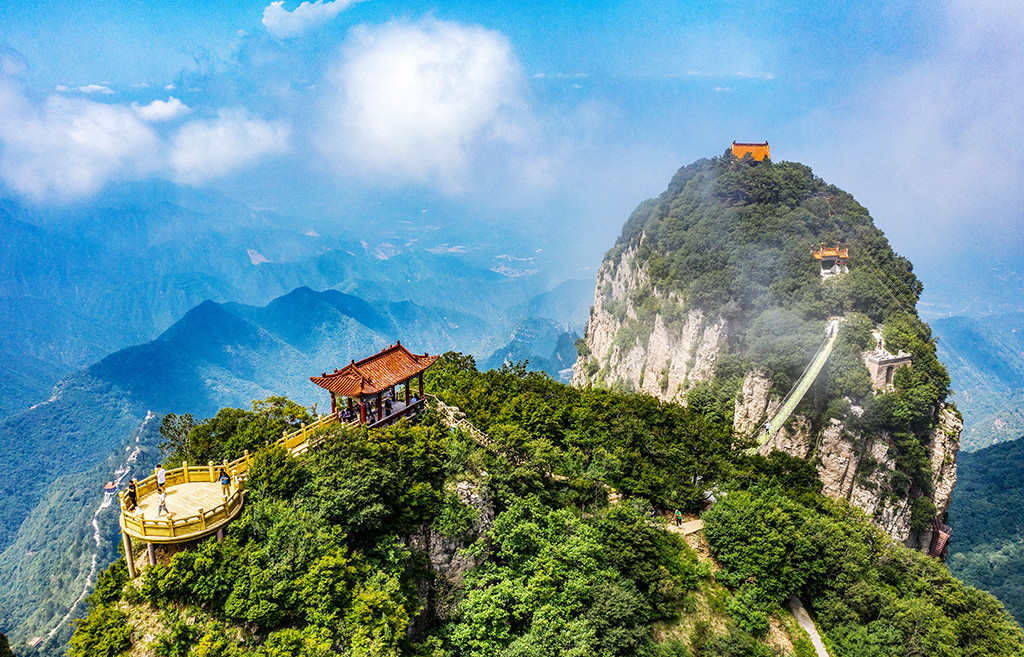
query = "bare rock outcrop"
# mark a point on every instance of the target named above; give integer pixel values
(447, 558)
(661, 352)
(797, 440)
(648, 340)
(754, 403)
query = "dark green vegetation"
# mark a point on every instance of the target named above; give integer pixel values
(662, 452)
(328, 556)
(987, 544)
(871, 596)
(734, 238)
(985, 358)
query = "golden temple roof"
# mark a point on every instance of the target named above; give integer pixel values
(831, 252)
(757, 151)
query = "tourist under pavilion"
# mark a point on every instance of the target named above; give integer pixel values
(372, 382)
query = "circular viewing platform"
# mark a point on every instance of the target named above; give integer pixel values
(196, 506)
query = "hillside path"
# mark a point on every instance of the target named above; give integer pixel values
(802, 386)
(807, 624)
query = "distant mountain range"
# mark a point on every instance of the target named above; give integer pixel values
(216, 355)
(985, 359)
(81, 282)
(987, 544)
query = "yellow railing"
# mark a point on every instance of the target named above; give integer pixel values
(297, 442)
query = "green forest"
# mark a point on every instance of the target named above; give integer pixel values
(987, 545)
(567, 546)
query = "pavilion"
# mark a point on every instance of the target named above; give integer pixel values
(369, 385)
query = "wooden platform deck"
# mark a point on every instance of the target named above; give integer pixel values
(181, 522)
(195, 503)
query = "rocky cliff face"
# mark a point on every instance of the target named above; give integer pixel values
(736, 239)
(661, 352)
(860, 469)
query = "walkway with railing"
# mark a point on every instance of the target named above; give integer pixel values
(796, 394)
(453, 418)
(196, 502)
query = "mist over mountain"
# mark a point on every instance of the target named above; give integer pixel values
(217, 355)
(714, 302)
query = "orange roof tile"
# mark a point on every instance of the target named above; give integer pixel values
(757, 151)
(831, 252)
(375, 373)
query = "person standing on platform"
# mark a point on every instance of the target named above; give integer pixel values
(225, 482)
(679, 518)
(161, 477)
(133, 495)
(161, 498)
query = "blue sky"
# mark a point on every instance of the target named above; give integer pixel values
(556, 113)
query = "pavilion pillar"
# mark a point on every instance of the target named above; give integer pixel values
(151, 550)
(220, 535)
(406, 384)
(379, 413)
(362, 412)
(334, 404)
(421, 385)
(128, 556)
(349, 404)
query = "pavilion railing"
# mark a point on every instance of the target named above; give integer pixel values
(297, 442)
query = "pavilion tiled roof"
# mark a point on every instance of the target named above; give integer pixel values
(831, 252)
(375, 373)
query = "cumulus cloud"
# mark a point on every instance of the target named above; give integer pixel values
(206, 149)
(413, 102)
(285, 24)
(67, 147)
(160, 110)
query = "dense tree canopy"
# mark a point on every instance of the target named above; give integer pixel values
(328, 555)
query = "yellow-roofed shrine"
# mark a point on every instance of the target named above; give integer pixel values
(833, 260)
(757, 151)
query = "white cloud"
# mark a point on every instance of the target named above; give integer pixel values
(413, 102)
(95, 88)
(160, 110)
(169, 87)
(69, 147)
(206, 149)
(285, 24)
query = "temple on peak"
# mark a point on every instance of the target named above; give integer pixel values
(757, 151)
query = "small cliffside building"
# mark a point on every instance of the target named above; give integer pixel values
(757, 151)
(882, 364)
(832, 259)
